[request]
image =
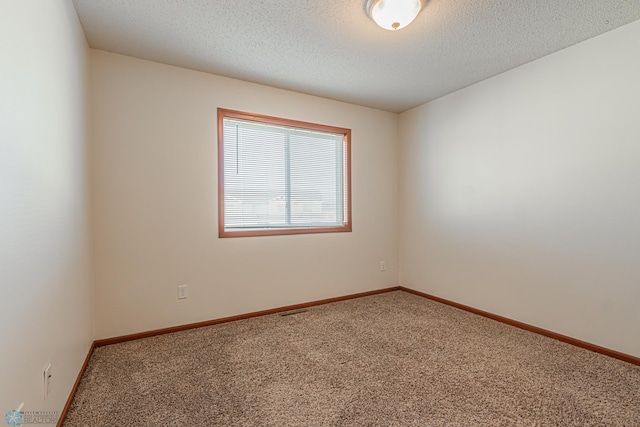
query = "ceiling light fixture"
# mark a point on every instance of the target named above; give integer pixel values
(393, 14)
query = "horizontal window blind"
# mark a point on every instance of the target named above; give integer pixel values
(283, 177)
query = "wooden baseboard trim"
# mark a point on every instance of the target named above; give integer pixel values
(566, 339)
(67, 405)
(123, 338)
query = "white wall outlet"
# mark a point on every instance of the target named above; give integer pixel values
(383, 265)
(46, 376)
(182, 292)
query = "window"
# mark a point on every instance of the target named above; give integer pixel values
(279, 176)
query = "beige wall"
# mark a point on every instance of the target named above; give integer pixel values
(155, 202)
(520, 195)
(44, 239)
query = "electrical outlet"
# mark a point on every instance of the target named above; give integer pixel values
(46, 376)
(182, 292)
(383, 266)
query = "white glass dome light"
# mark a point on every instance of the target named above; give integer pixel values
(393, 14)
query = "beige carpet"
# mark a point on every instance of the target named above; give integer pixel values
(393, 359)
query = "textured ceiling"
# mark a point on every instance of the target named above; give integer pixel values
(332, 49)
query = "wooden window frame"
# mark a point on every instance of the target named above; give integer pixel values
(222, 114)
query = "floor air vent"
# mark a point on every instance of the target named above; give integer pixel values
(292, 312)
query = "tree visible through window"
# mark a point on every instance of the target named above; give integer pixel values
(279, 176)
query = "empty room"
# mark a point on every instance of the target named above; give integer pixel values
(308, 213)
